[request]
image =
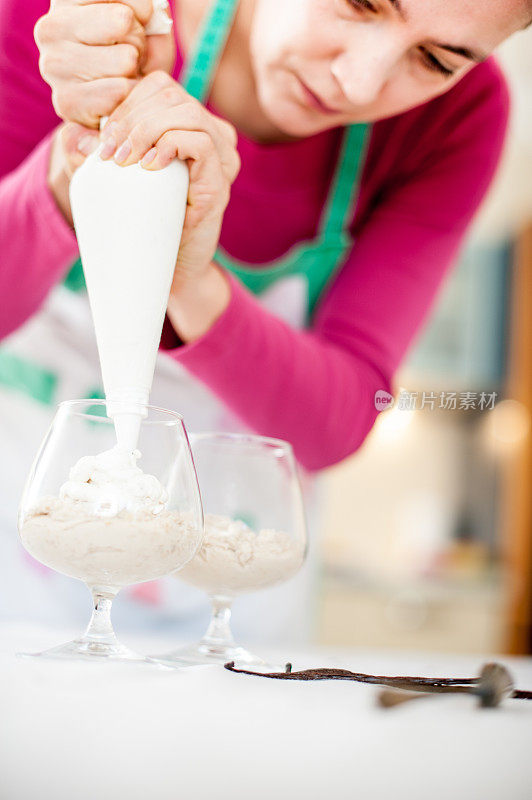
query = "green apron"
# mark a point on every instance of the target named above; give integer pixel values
(315, 260)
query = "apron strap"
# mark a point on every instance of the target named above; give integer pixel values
(345, 184)
(197, 77)
(199, 72)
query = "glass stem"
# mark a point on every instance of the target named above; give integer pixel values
(219, 630)
(100, 627)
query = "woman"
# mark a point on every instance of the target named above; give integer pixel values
(368, 133)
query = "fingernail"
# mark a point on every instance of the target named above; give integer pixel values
(108, 130)
(123, 151)
(87, 144)
(148, 158)
(108, 148)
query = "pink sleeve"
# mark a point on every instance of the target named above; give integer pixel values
(36, 244)
(316, 388)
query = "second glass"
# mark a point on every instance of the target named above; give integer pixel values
(255, 533)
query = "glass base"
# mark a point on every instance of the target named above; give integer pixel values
(87, 650)
(202, 653)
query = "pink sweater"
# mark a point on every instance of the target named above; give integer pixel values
(425, 175)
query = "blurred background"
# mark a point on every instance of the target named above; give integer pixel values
(427, 532)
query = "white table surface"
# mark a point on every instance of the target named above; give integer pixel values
(83, 732)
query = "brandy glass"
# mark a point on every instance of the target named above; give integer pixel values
(93, 536)
(255, 533)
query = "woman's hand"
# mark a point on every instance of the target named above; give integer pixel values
(91, 54)
(158, 121)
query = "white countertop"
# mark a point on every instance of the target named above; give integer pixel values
(79, 731)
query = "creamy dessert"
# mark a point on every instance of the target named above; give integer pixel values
(234, 559)
(109, 525)
(109, 551)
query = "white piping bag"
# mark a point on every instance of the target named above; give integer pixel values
(128, 223)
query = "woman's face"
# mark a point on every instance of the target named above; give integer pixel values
(323, 63)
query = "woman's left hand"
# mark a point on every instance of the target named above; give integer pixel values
(158, 121)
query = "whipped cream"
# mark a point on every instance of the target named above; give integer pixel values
(111, 482)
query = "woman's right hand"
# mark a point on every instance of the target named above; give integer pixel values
(92, 52)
